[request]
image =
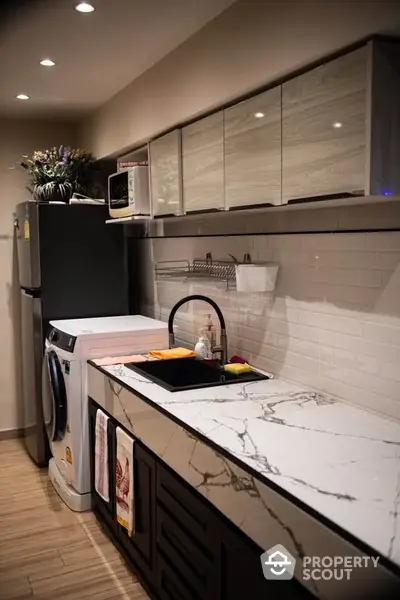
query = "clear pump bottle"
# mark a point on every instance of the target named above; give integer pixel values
(203, 347)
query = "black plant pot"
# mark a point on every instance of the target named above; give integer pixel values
(53, 193)
(58, 196)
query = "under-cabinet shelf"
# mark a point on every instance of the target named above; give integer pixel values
(131, 219)
(227, 271)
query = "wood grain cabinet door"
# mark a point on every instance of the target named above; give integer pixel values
(252, 150)
(324, 133)
(165, 174)
(203, 164)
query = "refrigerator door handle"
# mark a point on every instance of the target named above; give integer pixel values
(32, 295)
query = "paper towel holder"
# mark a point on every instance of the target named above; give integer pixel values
(255, 277)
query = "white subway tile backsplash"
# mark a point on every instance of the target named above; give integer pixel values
(382, 241)
(388, 260)
(362, 397)
(352, 297)
(369, 278)
(299, 346)
(334, 275)
(383, 333)
(349, 260)
(391, 371)
(326, 355)
(310, 334)
(332, 323)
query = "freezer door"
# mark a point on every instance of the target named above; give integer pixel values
(27, 232)
(32, 356)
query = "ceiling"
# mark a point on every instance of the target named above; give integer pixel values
(97, 54)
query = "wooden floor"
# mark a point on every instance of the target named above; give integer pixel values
(48, 552)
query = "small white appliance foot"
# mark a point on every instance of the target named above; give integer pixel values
(74, 501)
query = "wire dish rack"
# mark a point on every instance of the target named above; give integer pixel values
(204, 269)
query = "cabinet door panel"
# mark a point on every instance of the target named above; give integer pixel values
(202, 164)
(324, 129)
(190, 512)
(253, 150)
(143, 497)
(189, 559)
(165, 174)
(241, 570)
(140, 548)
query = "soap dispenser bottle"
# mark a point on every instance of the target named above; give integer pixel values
(203, 347)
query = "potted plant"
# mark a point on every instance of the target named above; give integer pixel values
(57, 173)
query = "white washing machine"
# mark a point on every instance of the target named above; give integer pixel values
(69, 345)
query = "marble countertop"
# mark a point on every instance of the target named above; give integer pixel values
(341, 461)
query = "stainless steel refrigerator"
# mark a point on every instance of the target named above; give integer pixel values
(71, 265)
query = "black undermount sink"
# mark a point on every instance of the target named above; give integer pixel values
(179, 374)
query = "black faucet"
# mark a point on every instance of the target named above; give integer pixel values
(223, 347)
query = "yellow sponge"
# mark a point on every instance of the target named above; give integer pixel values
(238, 368)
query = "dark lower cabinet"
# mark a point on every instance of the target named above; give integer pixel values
(182, 548)
(140, 547)
(187, 537)
(240, 575)
(240, 569)
(188, 564)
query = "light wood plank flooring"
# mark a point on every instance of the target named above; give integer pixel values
(47, 552)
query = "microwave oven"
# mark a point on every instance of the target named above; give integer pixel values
(128, 192)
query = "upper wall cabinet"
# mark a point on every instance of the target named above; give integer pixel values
(341, 126)
(324, 115)
(203, 164)
(383, 158)
(165, 174)
(334, 130)
(252, 144)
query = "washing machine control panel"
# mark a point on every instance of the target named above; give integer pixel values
(62, 340)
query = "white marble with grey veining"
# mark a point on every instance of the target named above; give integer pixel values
(341, 461)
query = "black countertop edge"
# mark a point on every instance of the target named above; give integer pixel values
(343, 533)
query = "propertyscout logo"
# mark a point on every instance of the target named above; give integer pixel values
(278, 563)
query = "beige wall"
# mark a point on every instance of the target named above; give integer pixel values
(252, 43)
(17, 137)
(332, 324)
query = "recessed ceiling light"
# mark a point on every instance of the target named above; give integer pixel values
(337, 125)
(259, 115)
(22, 97)
(47, 62)
(84, 7)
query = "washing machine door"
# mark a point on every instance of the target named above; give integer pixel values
(54, 397)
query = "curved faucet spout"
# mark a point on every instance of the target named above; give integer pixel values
(223, 348)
